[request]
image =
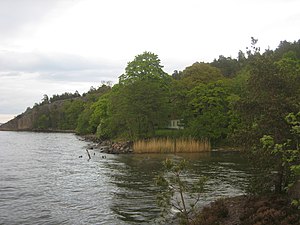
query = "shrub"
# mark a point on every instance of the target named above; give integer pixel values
(213, 214)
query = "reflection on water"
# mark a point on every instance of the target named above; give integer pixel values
(43, 181)
(135, 199)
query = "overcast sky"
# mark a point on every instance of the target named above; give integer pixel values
(55, 46)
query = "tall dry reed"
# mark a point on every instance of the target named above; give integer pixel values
(168, 145)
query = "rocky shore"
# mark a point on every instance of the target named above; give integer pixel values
(109, 147)
(249, 210)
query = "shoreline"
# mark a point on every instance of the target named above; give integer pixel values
(109, 146)
(126, 147)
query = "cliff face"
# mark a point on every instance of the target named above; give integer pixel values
(24, 121)
(10, 125)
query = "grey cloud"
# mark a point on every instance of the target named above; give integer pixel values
(37, 61)
(82, 75)
(58, 67)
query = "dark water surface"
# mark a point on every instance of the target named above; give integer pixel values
(43, 181)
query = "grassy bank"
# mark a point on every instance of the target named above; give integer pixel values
(169, 145)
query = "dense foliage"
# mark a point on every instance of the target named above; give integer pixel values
(229, 101)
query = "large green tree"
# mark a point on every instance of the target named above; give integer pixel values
(139, 104)
(209, 111)
(145, 66)
(139, 109)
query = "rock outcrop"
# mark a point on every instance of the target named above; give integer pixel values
(109, 146)
(20, 123)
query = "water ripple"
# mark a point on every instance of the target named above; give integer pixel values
(43, 181)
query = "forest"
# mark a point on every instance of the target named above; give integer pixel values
(230, 101)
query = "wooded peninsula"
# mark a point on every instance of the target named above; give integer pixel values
(251, 102)
(230, 101)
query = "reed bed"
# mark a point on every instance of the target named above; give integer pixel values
(169, 145)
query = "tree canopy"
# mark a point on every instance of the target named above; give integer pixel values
(200, 73)
(145, 66)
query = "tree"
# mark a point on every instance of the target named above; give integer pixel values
(83, 125)
(285, 47)
(139, 108)
(178, 99)
(208, 115)
(43, 122)
(177, 75)
(273, 91)
(241, 59)
(228, 66)
(71, 110)
(145, 66)
(45, 99)
(139, 104)
(200, 73)
(101, 116)
(287, 155)
(253, 50)
(175, 190)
